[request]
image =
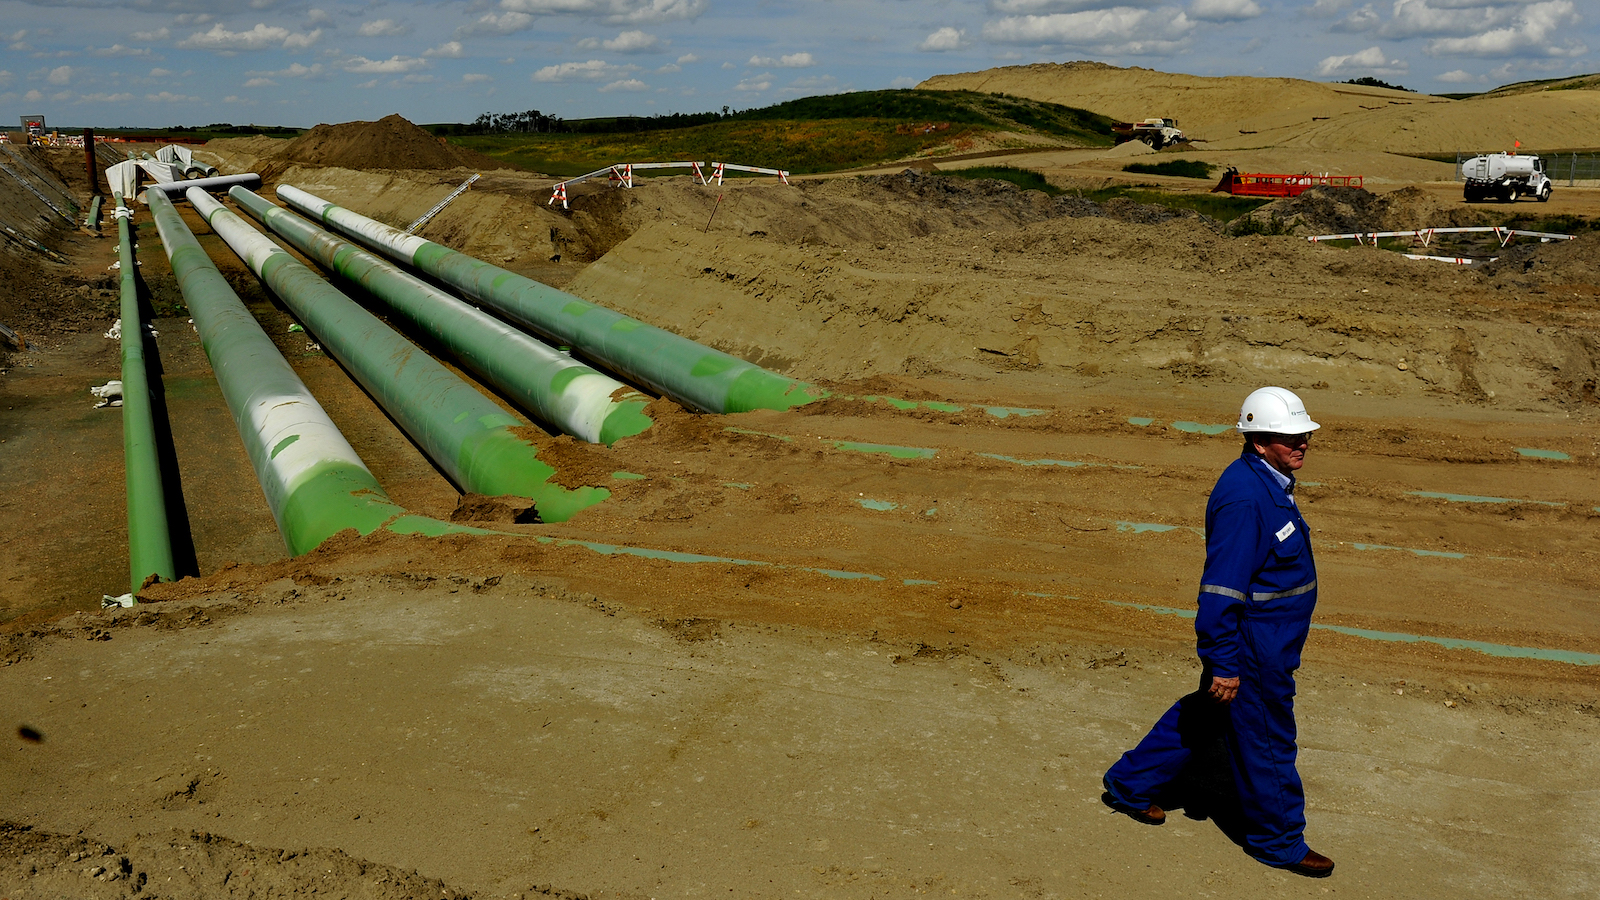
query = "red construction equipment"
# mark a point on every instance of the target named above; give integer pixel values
(1257, 184)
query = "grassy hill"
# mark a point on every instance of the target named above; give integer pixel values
(1590, 82)
(814, 134)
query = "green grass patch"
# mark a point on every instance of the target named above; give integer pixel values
(824, 145)
(1222, 207)
(1027, 179)
(806, 136)
(1182, 168)
(910, 107)
(1560, 224)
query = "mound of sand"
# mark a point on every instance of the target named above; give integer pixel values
(1342, 210)
(389, 143)
(1242, 112)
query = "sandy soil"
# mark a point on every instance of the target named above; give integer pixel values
(857, 649)
(1243, 113)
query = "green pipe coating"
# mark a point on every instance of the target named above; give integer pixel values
(149, 537)
(469, 437)
(315, 484)
(551, 385)
(688, 372)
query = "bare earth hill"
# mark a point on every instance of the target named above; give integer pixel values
(1238, 112)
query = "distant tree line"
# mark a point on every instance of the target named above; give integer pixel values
(1369, 81)
(533, 121)
(227, 128)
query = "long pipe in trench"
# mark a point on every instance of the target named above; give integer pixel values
(465, 434)
(149, 534)
(551, 385)
(315, 484)
(688, 372)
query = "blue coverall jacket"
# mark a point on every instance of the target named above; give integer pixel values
(1256, 597)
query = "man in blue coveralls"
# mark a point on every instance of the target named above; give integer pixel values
(1256, 598)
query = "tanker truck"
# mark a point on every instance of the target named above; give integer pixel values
(1504, 176)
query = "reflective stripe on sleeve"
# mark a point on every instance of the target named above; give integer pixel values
(1226, 592)
(1279, 595)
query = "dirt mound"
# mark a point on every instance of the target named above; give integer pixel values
(1344, 210)
(389, 143)
(868, 210)
(194, 864)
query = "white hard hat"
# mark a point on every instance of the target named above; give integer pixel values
(1276, 411)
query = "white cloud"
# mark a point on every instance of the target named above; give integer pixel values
(318, 16)
(946, 38)
(394, 65)
(490, 23)
(904, 81)
(105, 98)
(32, 96)
(1047, 7)
(688, 58)
(160, 73)
(159, 34)
(669, 69)
(295, 70)
(1460, 76)
(260, 82)
(617, 12)
(627, 84)
(6, 78)
(1370, 61)
(755, 83)
(475, 78)
(448, 50)
(1539, 29)
(418, 79)
(170, 97)
(591, 70)
(384, 28)
(119, 50)
(791, 61)
(626, 42)
(260, 37)
(1120, 29)
(60, 75)
(1224, 10)
(1326, 9)
(1360, 21)
(1432, 18)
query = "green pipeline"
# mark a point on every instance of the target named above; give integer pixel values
(690, 373)
(314, 483)
(550, 385)
(469, 437)
(149, 537)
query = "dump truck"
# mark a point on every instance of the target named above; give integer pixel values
(1504, 176)
(1157, 132)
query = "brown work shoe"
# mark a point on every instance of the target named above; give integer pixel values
(1315, 865)
(1150, 815)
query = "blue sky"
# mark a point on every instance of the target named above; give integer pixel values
(150, 63)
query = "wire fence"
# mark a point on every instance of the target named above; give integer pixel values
(1570, 169)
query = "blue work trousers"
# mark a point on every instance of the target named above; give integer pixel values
(1259, 732)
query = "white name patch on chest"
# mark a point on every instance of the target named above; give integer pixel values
(1285, 531)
